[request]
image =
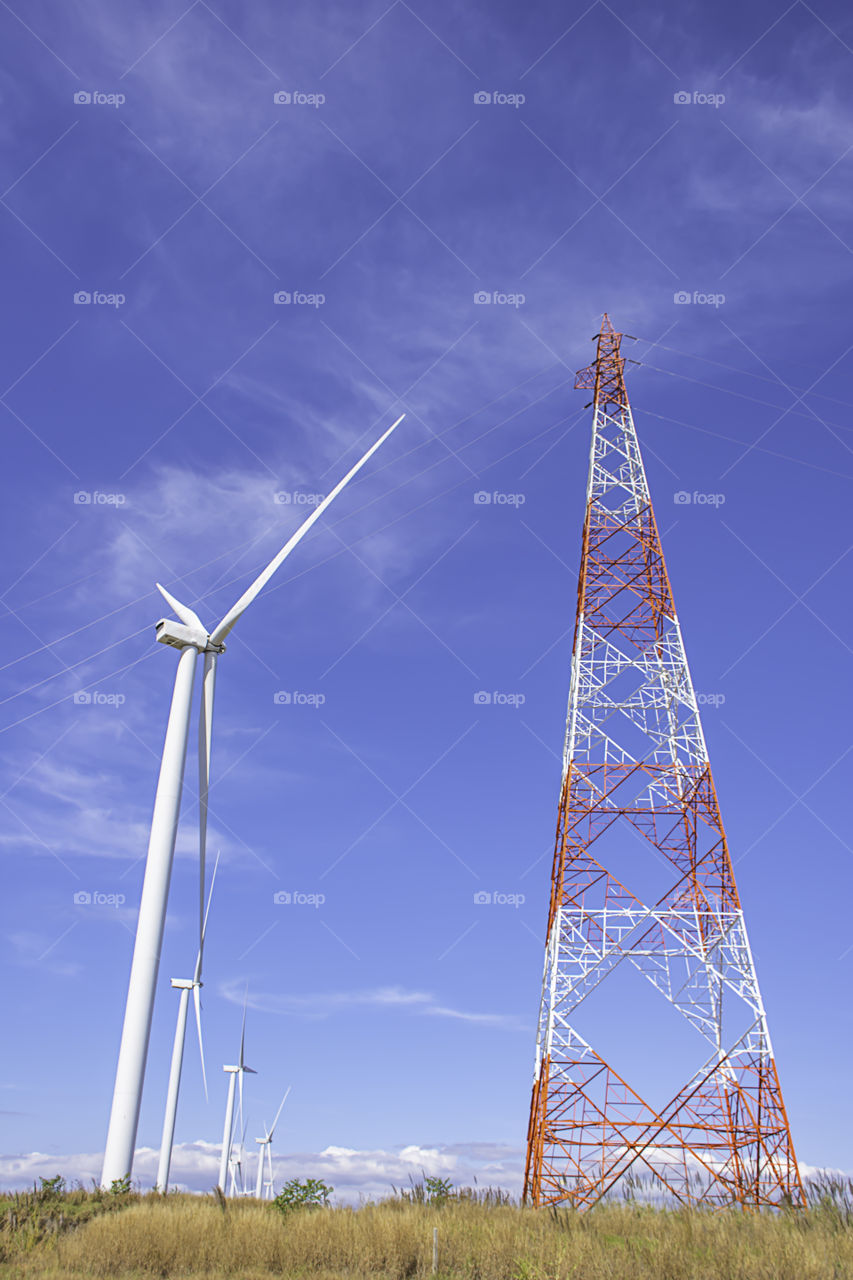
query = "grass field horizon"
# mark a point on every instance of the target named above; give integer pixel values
(483, 1234)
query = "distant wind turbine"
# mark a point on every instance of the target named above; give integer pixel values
(265, 1145)
(238, 1186)
(191, 638)
(185, 986)
(236, 1073)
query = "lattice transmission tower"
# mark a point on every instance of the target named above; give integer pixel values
(638, 796)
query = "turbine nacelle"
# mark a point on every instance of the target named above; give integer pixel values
(189, 631)
(178, 635)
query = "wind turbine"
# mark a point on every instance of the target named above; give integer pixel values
(236, 1073)
(185, 986)
(265, 1144)
(238, 1150)
(191, 638)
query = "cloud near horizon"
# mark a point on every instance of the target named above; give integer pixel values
(355, 1174)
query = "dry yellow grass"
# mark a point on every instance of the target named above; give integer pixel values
(188, 1236)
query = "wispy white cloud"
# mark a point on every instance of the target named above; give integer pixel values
(326, 1003)
(60, 809)
(35, 948)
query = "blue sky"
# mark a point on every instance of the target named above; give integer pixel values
(684, 167)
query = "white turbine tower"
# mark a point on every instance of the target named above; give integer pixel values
(191, 638)
(185, 986)
(265, 1145)
(236, 1073)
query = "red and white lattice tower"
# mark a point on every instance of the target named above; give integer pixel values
(638, 792)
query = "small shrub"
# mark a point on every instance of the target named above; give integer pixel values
(51, 1188)
(309, 1193)
(438, 1190)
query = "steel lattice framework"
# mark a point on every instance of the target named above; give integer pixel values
(635, 757)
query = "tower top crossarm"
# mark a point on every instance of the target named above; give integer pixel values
(605, 377)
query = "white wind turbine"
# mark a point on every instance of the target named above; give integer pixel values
(235, 1165)
(191, 638)
(265, 1145)
(236, 1073)
(185, 986)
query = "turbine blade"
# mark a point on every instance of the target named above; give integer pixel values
(241, 1060)
(263, 578)
(197, 1003)
(278, 1113)
(205, 735)
(182, 611)
(206, 914)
